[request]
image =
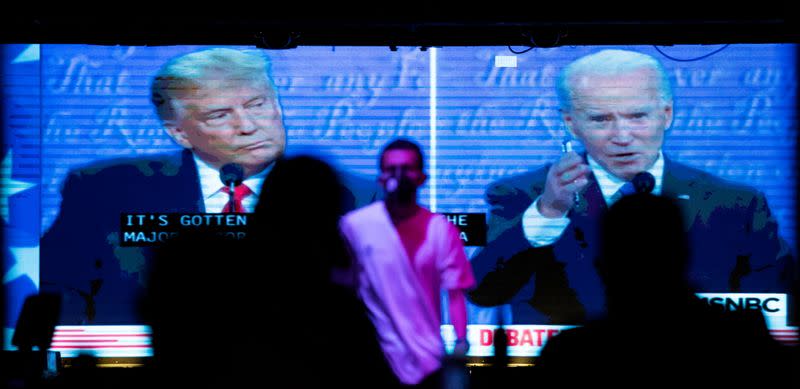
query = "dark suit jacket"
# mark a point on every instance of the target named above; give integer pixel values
(733, 236)
(80, 253)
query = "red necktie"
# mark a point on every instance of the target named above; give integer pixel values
(239, 193)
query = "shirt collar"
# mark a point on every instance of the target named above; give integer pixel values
(610, 184)
(210, 183)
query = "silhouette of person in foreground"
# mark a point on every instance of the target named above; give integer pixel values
(225, 312)
(657, 328)
(298, 230)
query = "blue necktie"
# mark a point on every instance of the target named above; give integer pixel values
(625, 190)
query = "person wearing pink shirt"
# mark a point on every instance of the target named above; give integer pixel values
(404, 256)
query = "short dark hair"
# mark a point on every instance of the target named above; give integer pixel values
(403, 144)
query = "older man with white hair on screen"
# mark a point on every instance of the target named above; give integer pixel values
(543, 224)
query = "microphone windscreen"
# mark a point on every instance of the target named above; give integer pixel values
(231, 173)
(644, 182)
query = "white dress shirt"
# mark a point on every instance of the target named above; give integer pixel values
(213, 196)
(542, 231)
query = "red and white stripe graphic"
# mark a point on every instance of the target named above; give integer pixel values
(134, 341)
(103, 341)
(789, 336)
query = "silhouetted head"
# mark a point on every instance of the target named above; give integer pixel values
(644, 247)
(302, 186)
(298, 212)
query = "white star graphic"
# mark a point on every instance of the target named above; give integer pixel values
(8, 185)
(30, 54)
(27, 264)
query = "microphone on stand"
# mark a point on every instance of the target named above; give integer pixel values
(643, 182)
(231, 175)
